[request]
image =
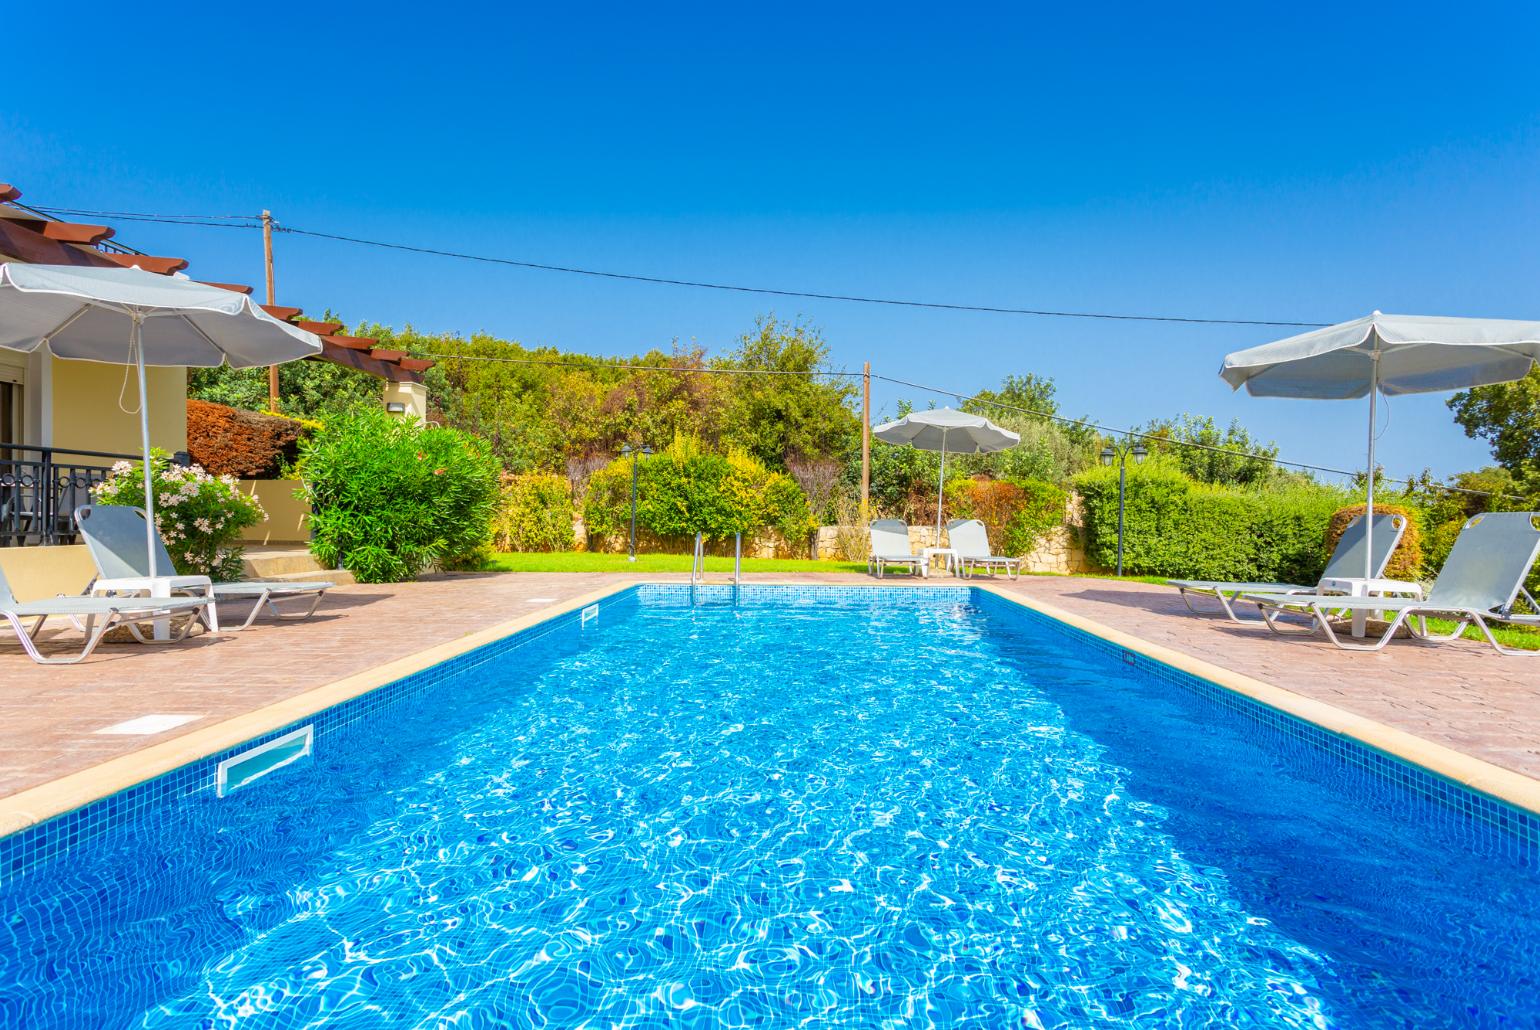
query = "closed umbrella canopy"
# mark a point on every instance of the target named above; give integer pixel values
(946, 430)
(129, 316)
(1389, 354)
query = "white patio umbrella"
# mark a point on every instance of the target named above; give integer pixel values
(125, 316)
(944, 430)
(1389, 354)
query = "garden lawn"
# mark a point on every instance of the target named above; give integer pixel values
(587, 561)
(1509, 636)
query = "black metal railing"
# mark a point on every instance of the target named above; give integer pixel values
(40, 488)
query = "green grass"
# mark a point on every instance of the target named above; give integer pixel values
(1508, 636)
(586, 561)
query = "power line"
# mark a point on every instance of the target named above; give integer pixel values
(247, 222)
(237, 221)
(963, 398)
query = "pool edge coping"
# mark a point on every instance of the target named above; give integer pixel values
(36, 805)
(1507, 785)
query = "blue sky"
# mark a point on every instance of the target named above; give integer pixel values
(1311, 164)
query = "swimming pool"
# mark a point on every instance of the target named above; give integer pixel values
(847, 807)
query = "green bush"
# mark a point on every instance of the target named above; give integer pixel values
(391, 497)
(199, 516)
(1175, 527)
(685, 490)
(536, 514)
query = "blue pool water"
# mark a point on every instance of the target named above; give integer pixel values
(932, 811)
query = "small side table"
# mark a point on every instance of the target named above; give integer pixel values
(948, 555)
(1360, 587)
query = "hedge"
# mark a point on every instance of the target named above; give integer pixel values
(535, 514)
(685, 490)
(231, 442)
(1175, 527)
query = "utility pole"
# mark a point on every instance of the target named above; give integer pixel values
(866, 442)
(272, 298)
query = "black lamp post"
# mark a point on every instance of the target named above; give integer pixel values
(1120, 454)
(634, 452)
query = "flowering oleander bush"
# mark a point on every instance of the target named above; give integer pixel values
(200, 516)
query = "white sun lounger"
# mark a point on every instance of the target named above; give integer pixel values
(98, 615)
(970, 539)
(114, 535)
(890, 546)
(1481, 581)
(1346, 563)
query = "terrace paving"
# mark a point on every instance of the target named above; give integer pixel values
(1463, 696)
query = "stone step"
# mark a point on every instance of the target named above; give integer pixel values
(291, 563)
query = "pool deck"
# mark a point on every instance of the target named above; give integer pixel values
(1462, 696)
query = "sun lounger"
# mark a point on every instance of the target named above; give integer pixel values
(890, 546)
(97, 615)
(1481, 581)
(1345, 564)
(970, 540)
(115, 537)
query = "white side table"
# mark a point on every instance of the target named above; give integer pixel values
(948, 555)
(1360, 587)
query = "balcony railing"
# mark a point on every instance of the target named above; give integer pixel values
(40, 488)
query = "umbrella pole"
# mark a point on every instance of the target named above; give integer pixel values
(137, 346)
(941, 487)
(1374, 389)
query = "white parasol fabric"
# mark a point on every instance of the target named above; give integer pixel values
(946, 430)
(126, 316)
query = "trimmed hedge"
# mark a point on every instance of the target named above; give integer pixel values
(1175, 527)
(231, 442)
(536, 514)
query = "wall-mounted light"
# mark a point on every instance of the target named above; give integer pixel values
(395, 407)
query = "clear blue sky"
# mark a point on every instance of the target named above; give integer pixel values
(1309, 163)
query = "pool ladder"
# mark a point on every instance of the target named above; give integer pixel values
(698, 560)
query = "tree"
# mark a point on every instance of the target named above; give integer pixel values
(789, 412)
(308, 389)
(1231, 457)
(1506, 416)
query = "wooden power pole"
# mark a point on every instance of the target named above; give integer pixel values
(272, 298)
(866, 441)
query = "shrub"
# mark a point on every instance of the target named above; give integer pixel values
(1017, 513)
(685, 490)
(230, 442)
(199, 516)
(1406, 563)
(1175, 527)
(391, 497)
(535, 515)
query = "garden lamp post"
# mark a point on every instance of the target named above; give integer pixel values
(1120, 454)
(634, 453)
